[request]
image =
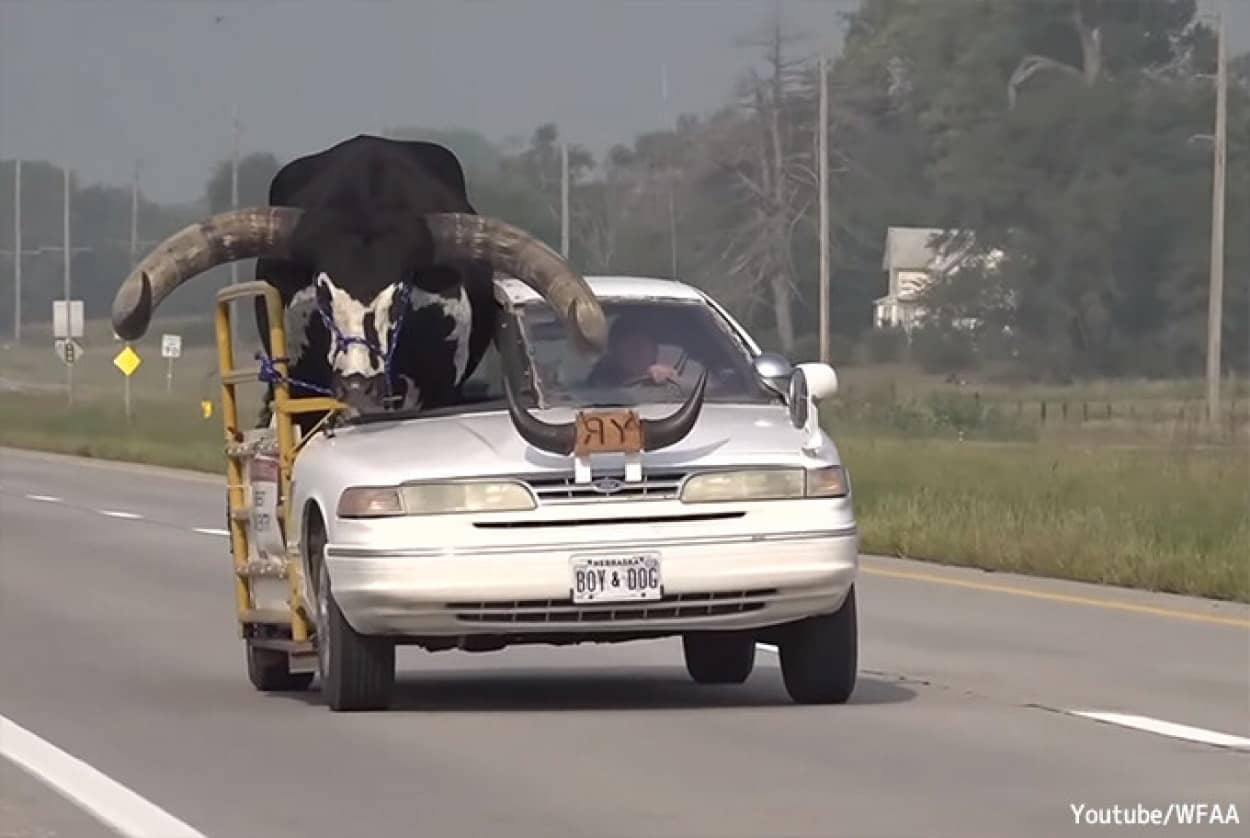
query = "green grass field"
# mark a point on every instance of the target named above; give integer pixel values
(957, 475)
(1156, 518)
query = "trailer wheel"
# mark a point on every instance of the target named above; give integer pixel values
(269, 671)
(357, 671)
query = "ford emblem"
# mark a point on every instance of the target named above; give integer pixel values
(607, 485)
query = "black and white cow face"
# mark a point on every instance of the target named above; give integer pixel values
(360, 344)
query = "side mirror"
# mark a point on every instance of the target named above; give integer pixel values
(774, 370)
(822, 380)
(809, 385)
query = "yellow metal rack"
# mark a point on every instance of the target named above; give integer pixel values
(277, 638)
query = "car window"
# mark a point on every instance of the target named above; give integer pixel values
(486, 382)
(656, 352)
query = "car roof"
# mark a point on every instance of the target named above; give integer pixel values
(609, 287)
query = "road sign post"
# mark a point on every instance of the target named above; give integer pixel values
(67, 324)
(127, 361)
(171, 348)
(68, 350)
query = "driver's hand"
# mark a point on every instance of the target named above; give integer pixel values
(660, 373)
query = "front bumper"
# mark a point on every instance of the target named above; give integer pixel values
(724, 582)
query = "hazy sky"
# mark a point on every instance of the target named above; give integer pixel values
(99, 83)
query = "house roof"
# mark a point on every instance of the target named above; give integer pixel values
(908, 249)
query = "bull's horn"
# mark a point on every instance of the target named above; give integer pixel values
(468, 237)
(661, 433)
(227, 237)
(560, 438)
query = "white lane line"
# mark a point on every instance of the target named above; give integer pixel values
(113, 513)
(209, 531)
(1163, 728)
(44, 498)
(105, 798)
(767, 647)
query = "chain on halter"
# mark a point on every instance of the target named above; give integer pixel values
(269, 374)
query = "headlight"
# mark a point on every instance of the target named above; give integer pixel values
(754, 484)
(435, 499)
(765, 484)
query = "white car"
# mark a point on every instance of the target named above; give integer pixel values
(700, 499)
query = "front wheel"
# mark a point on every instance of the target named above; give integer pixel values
(819, 656)
(715, 658)
(357, 671)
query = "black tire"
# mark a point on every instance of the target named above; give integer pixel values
(357, 671)
(719, 658)
(269, 671)
(820, 656)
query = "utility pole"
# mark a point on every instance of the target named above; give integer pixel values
(134, 216)
(17, 251)
(69, 368)
(672, 199)
(564, 199)
(1215, 301)
(824, 212)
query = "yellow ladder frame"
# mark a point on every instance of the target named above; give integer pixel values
(284, 408)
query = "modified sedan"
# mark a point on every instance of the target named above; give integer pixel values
(678, 485)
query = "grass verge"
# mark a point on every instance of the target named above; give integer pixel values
(162, 433)
(1166, 519)
(1161, 519)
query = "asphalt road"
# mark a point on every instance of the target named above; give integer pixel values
(120, 647)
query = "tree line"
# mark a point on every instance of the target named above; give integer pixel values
(1069, 136)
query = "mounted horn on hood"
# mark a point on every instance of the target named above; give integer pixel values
(561, 438)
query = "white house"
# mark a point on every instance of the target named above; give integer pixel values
(912, 261)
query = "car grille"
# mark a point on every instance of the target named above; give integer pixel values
(563, 611)
(655, 485)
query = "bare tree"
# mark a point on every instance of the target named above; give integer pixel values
(539, 164)
(1091, 57)
(768, 171)
(601, 213)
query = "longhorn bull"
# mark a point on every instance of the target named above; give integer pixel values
(385, 272)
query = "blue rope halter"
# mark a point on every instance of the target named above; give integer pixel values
(269, 374)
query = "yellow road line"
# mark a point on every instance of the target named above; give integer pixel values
(1066, 598)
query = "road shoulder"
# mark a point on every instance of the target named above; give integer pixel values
(29, 808)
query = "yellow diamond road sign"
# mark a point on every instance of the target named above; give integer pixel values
(127, 361)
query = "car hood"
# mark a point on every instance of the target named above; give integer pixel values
(486, 443)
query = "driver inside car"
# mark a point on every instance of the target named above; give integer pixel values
(631, 357)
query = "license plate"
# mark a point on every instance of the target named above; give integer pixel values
(624, 578)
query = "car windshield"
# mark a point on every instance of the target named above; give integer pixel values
(656, 352)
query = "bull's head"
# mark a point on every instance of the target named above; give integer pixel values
(360, 279)
(362, 333)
